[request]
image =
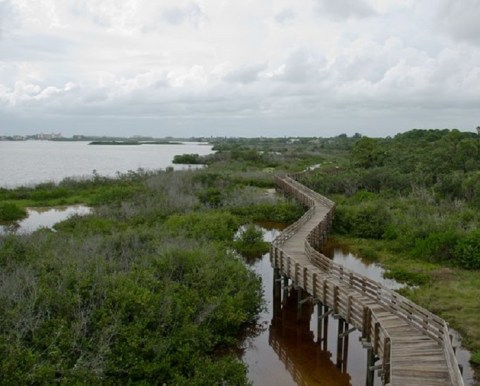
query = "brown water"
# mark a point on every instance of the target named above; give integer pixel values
(286, 350)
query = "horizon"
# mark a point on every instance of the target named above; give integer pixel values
(140, 136)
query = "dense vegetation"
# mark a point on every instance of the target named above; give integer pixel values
(11, 212)
(149, 289)
(413, 203)
(146, 289)
(427, 178)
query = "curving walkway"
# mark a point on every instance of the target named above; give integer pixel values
(412, 343)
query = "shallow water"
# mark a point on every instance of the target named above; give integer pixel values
(44, 217)
(342, 255)
(286, 351)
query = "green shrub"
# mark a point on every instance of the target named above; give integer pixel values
(187, 159)
(405, 276)
(250, 242)
(467, 251)
(438, 246)
(211, 197)
(281, 211)
(218, 226)
(368, 220)
(11, 212)
(475, 358)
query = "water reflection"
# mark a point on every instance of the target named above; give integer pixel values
(292, 347)
(296, 345)
(44, 217)
(341, 254)
(287, 349)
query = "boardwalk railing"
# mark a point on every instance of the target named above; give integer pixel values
(338, 287)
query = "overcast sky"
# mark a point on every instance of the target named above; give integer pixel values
(238, 67)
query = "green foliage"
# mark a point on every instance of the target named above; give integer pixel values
(219, 226)
(407, 276)
(144, 290)
(367, 153)
(475, 358)
(279, 211)
(250, 242)
(11, 212)
(211, 197)
(467, 251)
(437, 246)
(128, 307)
(368, 220)
(190, 159)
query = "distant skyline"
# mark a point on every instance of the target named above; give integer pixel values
(238, 68)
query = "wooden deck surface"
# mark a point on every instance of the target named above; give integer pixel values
(409, 340)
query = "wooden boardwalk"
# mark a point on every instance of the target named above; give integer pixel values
(413, 344)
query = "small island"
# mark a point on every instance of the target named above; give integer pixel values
(127, 142)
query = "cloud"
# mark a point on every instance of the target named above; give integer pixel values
(461, 20)
(285, 16)
(245, 74)
(301, 66)
(204, 67)
(190, 13)
(345, 9)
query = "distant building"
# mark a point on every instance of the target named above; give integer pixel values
(45, 136)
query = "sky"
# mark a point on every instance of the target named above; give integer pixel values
(238, 68)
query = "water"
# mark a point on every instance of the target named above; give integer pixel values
(44, 217)
(286, 350)
(341, 255)
(32, 162)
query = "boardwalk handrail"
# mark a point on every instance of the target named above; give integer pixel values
(363, 319)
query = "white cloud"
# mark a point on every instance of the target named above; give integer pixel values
(245, 74)
(190, 13)
(286, 15)
(344, 9)
(247, 67)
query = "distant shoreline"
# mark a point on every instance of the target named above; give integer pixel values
(123, 143)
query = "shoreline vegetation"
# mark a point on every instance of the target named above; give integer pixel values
(145, 275)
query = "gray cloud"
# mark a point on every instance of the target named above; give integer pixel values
(8, 18)
(106, 66)
(461, 20)
(301, 66)
(245, 74)
(345, 9)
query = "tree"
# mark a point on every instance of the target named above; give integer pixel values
(367, 152)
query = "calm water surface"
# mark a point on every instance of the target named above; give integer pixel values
(32, 162)
(286, 351)
(44, 217)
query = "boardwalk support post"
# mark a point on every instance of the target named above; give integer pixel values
(370, 366)
(277, 290)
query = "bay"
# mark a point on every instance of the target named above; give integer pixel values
(33, 162)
